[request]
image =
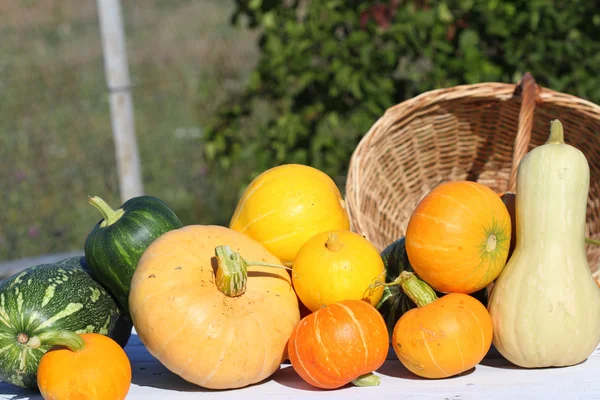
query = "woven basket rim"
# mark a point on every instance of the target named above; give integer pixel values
(485, 90)
(498, 90)
(527, 96)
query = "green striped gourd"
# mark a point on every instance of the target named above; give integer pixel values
(47, 305)
(115, 245)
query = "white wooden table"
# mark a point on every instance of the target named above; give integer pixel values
(493, 379)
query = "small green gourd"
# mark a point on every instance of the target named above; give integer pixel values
(116, 243)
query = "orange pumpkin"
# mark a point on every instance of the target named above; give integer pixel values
(206, 313)
(89, 366)
(443, 336)
(458, 237)
(338, 344)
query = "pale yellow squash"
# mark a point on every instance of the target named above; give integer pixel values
(545, 305)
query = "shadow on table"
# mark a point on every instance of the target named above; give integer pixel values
(495, 360)
(498, 363)
(502, 363)
(161, 378)
(11, 392)
(397, 370)
(286, 376)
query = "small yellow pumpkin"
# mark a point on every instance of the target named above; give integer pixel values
(286, 205)
(335, 266)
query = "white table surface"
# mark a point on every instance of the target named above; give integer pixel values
(494, 378)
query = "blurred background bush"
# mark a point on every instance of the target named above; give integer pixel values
(226, 89)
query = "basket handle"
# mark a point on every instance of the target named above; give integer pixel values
(528, 89)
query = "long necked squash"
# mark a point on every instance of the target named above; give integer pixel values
(545, 305)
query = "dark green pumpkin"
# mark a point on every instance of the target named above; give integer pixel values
(394, 302)
(122, 330)
(44, 304)
(115, 245)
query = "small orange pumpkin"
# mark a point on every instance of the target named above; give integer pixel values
(338, 344)
(89, 366)
(443, 336)
(458, 237)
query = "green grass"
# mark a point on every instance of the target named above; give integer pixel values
(56, 143)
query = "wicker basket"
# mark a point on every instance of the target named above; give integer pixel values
(474, 132)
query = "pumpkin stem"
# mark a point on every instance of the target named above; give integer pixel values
(369, 379)
(491, 243)
(333, 242)
(69, 339)
(557, 135)
(110, 216)
(416, 289)
(262, 264)
(232, 271)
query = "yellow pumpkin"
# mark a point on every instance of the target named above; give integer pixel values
(207, 313)
(286, 205)
(335, 266)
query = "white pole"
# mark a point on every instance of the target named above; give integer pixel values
(121, 104)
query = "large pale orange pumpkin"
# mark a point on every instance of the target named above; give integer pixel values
(286, 205)
(443, 336)
(458, 237)
(338, 344)
(203, 317)
(89, 366)
(335, 266)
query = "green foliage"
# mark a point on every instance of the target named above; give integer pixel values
(329, 68)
